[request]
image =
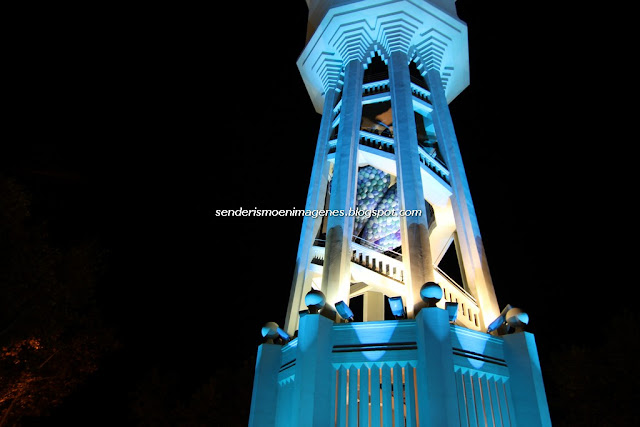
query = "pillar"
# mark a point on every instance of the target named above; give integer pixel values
(475, 262)
(265, 386)
(315, 200)
(525, 377)
(373, 306)
(313, 393)
(336, 277)
(416, 251)
(437, 396)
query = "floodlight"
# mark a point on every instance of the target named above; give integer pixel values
(513, 319)
(495, 324)
(452, 310)
(344, 311)
(397, 308)
(285, 336)
(499, 321)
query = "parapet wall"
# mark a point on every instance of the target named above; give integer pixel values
(403, 371)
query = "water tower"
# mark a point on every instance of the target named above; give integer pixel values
(394, 233)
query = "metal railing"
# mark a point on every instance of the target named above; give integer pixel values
(372, 245)
(389, 264)
(434, 164)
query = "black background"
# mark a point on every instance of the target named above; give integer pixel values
(133, 125)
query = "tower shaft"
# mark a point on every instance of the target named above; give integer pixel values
(425, 170)
(416, 249)
(336, 277)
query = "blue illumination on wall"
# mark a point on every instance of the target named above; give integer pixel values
(397, 308)
(378, 332)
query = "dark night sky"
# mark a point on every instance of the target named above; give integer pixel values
(133, 126)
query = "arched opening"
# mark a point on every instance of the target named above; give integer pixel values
(376, 70)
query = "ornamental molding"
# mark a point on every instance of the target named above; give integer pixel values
(434, 39)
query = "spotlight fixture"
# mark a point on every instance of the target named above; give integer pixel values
(272, 332)
(499, 321)
(452, 310)
(511, 320)
(344, 311)
(283, 335)
(397, 307)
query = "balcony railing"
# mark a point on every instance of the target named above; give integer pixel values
(375, 87)
(373, 257)
(434, 164)
(374, 140)
(468, 312)
(389, 264)
(386, 144)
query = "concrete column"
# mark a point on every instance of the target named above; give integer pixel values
(315, 200)
(416, 251)
(437, 396)
(265, 386)
(475, 262)
(313, 393)
(525, 377)
(373, 306)
(337, 260)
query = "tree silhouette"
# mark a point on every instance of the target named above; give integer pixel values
(51, 332)
(222, 399)
(594, 383)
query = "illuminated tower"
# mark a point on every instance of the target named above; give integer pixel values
(389, 177)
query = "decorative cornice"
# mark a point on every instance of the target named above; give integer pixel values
(429, 54)
(431, 49)
(328, 67)
(353, 30)
(352, 40)
(395, 31)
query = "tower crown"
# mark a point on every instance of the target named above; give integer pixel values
(342, 30)
(318, 8)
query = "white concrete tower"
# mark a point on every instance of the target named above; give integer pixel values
(392, 123)
(381, 73)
